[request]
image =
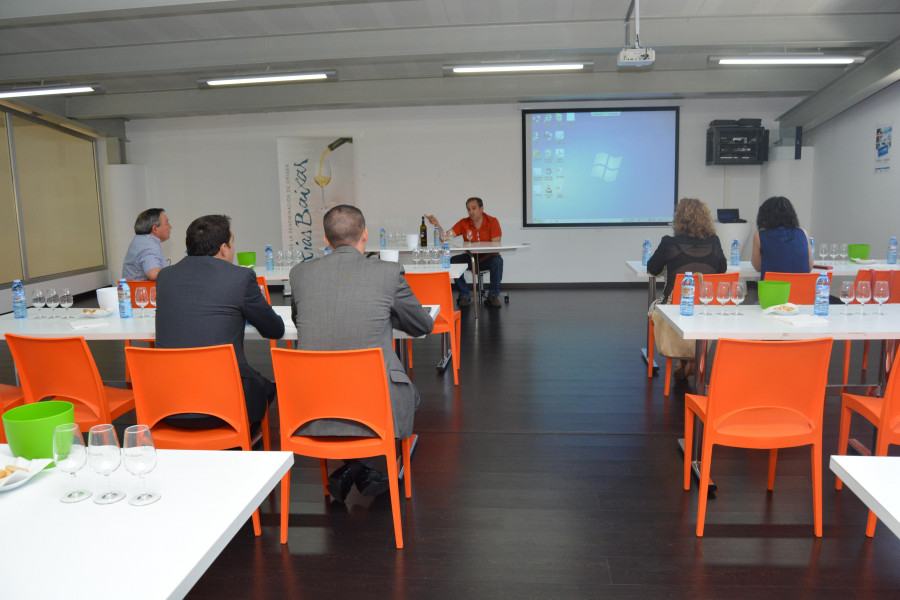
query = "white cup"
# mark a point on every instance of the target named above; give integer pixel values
(390, 255)
(108, 298)
(412, 239)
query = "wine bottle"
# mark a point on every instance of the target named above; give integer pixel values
(423, 234)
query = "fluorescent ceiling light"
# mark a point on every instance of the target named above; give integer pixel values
(262, 79)
(55, 91)
(788, 59)
(518, 68)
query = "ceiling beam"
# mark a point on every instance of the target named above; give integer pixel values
(447, 90)
(880, 70)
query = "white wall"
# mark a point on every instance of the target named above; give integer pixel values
(851, 203)
(411, 161)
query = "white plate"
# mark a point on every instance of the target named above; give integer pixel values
(868, 261)
(18, 478)
(95, 313)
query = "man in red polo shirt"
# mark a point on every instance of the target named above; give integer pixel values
(477, 227)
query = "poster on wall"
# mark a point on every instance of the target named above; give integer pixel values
(315, 174)
(883, 148)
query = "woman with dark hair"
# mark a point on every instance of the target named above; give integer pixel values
(780, 245)
(695, 247)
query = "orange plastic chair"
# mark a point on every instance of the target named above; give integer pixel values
(435, 288)
(871, 275)
(803, 285)
(10, 397)
(762, 394)
(315, 385)
(676, 299)
(206, 380)
(64, 368)
(883, 413)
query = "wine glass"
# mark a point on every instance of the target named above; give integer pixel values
(707, 293)
(66, 301)
(153, 296)
(141, 298)
(288, 258)
(843, 253)
(105, 457)
(823, 251)
(863, 295)
(834, 251)
(323, 178)
(416, 256)
(279, 259)
(52, 299)
(69, 456)
(723, 293)
(881, 294)
(469, 235)
(37, 301)
(140, 459)
(738, 294)
(847, 295)
(436, 257)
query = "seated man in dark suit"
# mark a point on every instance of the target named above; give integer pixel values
(344, 301)
(205, 300)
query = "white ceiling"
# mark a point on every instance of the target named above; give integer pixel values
(149, 54)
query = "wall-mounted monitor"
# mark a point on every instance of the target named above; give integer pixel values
(599, 167)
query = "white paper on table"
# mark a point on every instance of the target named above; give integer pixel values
(88, 324)
(802, 320)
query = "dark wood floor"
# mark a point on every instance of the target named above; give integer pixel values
(552, 472)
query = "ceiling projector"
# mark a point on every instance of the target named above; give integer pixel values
(636, 57)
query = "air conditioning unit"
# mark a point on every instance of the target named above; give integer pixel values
(636, 57)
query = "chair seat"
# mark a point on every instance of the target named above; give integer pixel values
(338, 447)
(10, 396)
(120, 401)
(769, 426)
(178, 438)
(867, 406)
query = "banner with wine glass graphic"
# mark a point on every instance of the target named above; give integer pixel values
(314, 174)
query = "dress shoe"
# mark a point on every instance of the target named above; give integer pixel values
(463, 301)
(372, 483)
(339, 483)
(495, 301)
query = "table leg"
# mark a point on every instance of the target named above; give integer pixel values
(474, 266)
(651, 296)
(446, 355)
(700, 388)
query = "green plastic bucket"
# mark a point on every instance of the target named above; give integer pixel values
(246, 259)
(860, 251)
(29, 428)
(773, 293)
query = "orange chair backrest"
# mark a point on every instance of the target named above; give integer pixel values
(891, 277)
(433, 288)
(62, 368)
(714, 277)
(169, 381)
(803, 285)
(134, 285)
(261, 282)
(750, 375)
(347, 384)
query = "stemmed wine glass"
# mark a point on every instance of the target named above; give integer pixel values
(141, 298)
(69, 456)
(153, 297)
(140, 459)
(881, 294)
(834, 251)
(863, 295)
(37, 301)
(323, 178)
(723, 293)
(847, 295)
(823, 251)
(469, 235)
(843, 253)
(416, 256)
(52, 299)
(707, 292)
(66, 301)
(738, 294)
(105, 457)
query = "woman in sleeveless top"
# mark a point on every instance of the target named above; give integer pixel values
(780, 245)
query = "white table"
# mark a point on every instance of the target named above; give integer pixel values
(876, 481)
(85, 550)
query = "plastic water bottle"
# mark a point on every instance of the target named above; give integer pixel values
(437, 237)
(382, 238)
(124, 300)
(823, 289)
(687, 295)
(892, 251)
(20, 309)
(645, 252)
(812, 245)
(270, 258)
(735, 253)
(445, 258)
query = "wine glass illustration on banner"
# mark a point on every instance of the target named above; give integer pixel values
(847, 295)
(863, 295)
(707, 293)
(69, 456)
(105, 457)
(323, 178)
(881, 294)
(141, 298)
(66, 301)
(140, 459)
(723, 294)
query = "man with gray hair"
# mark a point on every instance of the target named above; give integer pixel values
(145, 258)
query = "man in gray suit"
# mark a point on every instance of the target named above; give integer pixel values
(344, 301)
(205, 300)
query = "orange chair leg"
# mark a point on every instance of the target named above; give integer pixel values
(266, 434)
(688, 445)
(773, 458)
(406, 448)
(323, 465)
(843, 439)
(870, 524)
(395, 499)
(650, 341)
(846, 361)
(409, 352)
(454, 351)
(668, 376)
(704, 486)
(285, 505)
(817, 488)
